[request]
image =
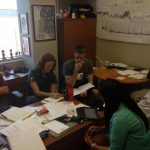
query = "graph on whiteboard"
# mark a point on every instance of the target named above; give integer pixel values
(124, 20)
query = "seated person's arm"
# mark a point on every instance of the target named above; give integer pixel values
(53, 88)
(37, 91)
(71, 79)
(90, 78)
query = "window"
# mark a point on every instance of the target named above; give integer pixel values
(9, 30)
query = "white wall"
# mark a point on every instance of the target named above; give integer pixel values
(129, 53)
(37, 48)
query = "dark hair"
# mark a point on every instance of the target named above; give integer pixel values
(44, 59)
(80, 49)
(114, 93)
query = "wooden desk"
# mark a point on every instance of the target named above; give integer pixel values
(16, 83)
(112, 74)
(73, 139)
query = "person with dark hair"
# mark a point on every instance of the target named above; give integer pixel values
(126, 124)
(42, 80)
(79, 71)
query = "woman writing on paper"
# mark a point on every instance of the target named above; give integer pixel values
(127, 125)
(43, 80)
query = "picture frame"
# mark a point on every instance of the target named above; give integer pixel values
(25, 46)
(23, 23)
(43, 22)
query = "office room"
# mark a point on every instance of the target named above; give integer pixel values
(115, 35)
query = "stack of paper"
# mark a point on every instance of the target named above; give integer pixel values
(56, 128)
(138, 76)
(53, 100)
(26, 139)
(83, 88)
(15, 113)
(24, 135)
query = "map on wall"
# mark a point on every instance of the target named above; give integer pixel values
(124, 20)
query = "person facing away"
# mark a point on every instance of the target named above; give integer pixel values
(127, 125)
(4, 91)
(42, 80)
(79, 71)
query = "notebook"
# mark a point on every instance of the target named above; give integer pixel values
(56, 128)
(26, 139)
(15, 113)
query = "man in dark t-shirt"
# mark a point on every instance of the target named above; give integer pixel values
(79, 71)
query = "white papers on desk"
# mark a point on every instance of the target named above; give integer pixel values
(144, 71)
(4, 123)
(53, 100)
(56, 128)
(127, 72)
(16, 113)
(119, 65)
(132, 74)
(83, 88)
(21, 125)
(137, 76)
(26, 139)
(55, 110)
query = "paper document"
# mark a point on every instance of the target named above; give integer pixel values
(56, 127)
(16, 113)
(138, 76)
(127, 72)
(26, 139)
(53, 100)
(83, 88)
(119, 65)
(22, 125)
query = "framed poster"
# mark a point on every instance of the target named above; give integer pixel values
(23, 23)
(43, 22)
(25, 46)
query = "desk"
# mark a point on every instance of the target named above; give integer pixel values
(73, 139)
(112, 74)
(16, 83)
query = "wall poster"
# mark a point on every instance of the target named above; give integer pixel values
(124, 20)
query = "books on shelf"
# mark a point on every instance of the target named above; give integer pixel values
(83, 88)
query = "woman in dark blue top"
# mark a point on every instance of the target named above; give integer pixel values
(43, 80)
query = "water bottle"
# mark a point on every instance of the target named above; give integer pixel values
(69, 90)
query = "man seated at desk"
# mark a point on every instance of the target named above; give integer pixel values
(4, 90)
(79, 71)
